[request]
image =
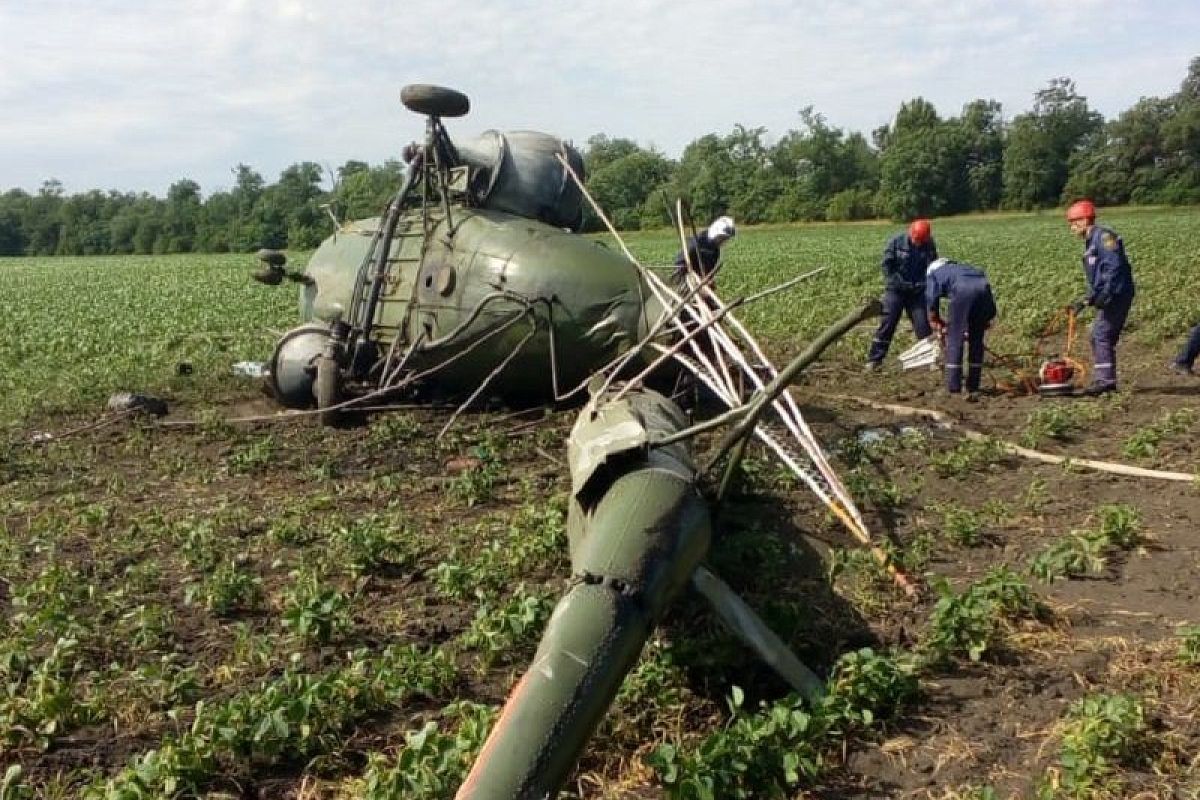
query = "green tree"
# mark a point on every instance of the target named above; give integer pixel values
(12, 233)
(1181, 141)
(1126, 160)
(923, 166)
(297, 197)
(181, 217)
(623, 179)
(817, 163)
(982, 125)
(364, 191)
(728, 174)
(41, 220)
(1042, 142)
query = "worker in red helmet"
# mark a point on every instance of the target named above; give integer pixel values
(1110, 291)
(905, 260)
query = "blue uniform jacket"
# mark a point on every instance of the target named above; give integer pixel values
(904, 263)
(704, 254)
(949, 278)
(1108, 271)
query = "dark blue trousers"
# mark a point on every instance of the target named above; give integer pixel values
(972, 307)
(895, 303)
(1106, 332)
(1187, 356)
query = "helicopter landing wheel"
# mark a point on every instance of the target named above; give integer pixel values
(434, 101)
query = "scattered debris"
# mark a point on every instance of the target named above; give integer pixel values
(134, 402)
(462, 464)
(250, 369)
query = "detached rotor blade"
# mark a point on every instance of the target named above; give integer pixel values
(741, 619)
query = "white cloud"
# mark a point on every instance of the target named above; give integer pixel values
(135, 95)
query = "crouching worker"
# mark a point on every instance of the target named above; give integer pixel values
(972, 309)
(703, 253)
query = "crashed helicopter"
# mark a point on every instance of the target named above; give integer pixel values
(475, 263)
(475, 279)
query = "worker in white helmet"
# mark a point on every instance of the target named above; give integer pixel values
(703, 253)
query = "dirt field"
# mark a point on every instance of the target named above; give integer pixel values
(128, 520)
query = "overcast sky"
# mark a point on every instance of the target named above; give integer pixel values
(134, 95)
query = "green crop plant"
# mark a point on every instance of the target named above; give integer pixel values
(972, 621)
(37, 697)
(1120, 525)
(866, 686)
(1075, 554)
(295, 531)
(293, 716)
(655, 685)
(770, 752)
(147, 626)
(199, 544)
(252, 458)
(879, 492)
(315, 612)
(164, 683)
(760, 754)
(1084, 552)
(1145, 441)
(1058, 421)
(960, 525)
(1100, 733)
(968, 457)
(394, 429)
(515, 624)
(431, 764)
(475, 485)
(537, 535)
(1189, 645)
(11, 785)
(914, 556)
(229, 589)
(372, 543)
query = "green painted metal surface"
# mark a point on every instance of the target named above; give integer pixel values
(638, 529)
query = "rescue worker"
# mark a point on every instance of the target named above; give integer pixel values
(704, 249)
(905, 260)
(972, 309)
(1186, 359)
(1110, 291)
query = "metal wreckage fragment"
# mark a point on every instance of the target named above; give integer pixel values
(639, 529)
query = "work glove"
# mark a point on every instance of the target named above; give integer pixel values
(1078, 306)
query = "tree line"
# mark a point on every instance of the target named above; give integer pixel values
(920, 164)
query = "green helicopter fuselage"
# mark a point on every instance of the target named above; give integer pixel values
(462, 291)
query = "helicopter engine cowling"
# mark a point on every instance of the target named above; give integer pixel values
(293, 365)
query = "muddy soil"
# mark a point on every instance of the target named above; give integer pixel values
(995, 722)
